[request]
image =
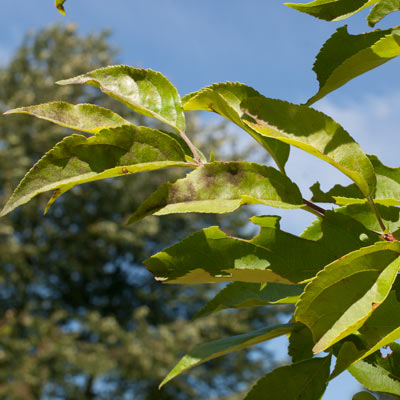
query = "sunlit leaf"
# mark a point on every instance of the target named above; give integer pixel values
(145, 91)
(313, 132)
(207, 351)
(380, 329)
(381, 9)
(60, 6)
(212, 256)
(378, 373)
(243, 294)
(83, 117)
(304, 380)
(358, 282)
(225, 99)
(113, 152)
(332, 10)
(387, 190)
(363, 213)
(222, 187)
(344, 57)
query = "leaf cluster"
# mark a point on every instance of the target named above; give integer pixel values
(344, 267)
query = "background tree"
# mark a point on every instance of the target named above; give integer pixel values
(80, 317)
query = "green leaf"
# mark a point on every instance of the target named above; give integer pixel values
(358, 282)
(207, 351)
(364, 214)
(306, 380)
(243, 294)
(332, 10)
(380, 10)
(113, 152)
(387, 190)
(313, 132)
(83, 117)
(363, 396)
(222, 187)
(211, 256)
(378, 373)
(380, 329)
(344, 57)
(145, 91)
(300, 344)
(60, 6)
(225, 99)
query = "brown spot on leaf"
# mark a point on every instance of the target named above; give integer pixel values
(374, 306)
(124, 170)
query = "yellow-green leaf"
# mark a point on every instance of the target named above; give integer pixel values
(207, 351)
(332, 10)
(381, 9)
(387, 190)
(272, 256)
(225, 99)
(344, 57)
(358, 282)
(313, 132)
(112, 152)
(222, 187)
(145, 91)
(60, 6)
(82, 117)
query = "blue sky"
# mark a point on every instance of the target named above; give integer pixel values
(258, 42)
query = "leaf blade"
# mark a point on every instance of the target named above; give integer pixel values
(304, 380)
(113, 152)
(313, 132)
(208, 351)
(145, 91)
(344, 57)
(381, 10)
(83, 117)
(221, 187)
(244, 294)
(332, 10)
(225, 99)
(359, 281)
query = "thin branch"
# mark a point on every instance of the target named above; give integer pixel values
(378, 217)
(314, 209)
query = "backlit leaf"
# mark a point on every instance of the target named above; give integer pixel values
(222, 187)
(207, 351)
(313, 132)
(332, 10)
(381, 9)
(344, 57)
(358, 282)
(145, 91)
(82, 117)
(387, 190)
(380, 329)
(363, 213)
(378, 373)
(212, 256)
(244, 294)
(306, 380)
(225, 99)
(60, 6)
(112, 152)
